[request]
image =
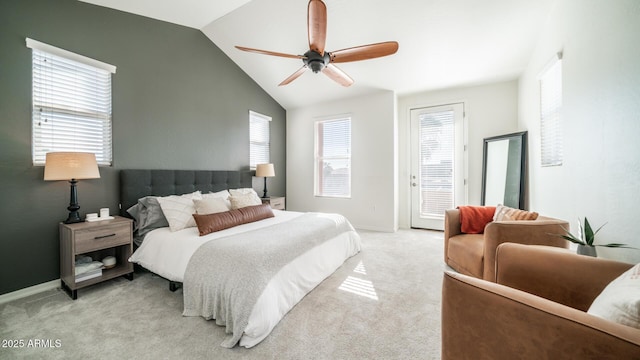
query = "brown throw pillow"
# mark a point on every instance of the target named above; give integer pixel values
(223, 220)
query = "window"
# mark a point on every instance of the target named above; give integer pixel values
(258, 139)
(71, 103)
(333, 158)
(551, 113)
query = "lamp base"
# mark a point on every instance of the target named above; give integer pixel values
(74, 215)
(264, 194)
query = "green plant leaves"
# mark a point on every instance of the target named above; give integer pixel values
(588, 236)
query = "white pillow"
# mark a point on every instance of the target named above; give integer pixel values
(242, 191)
(211, 205)
(179, 210)
(240, 201)
(620, 300)
(224, 194)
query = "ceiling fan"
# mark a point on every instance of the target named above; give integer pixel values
(317, 59)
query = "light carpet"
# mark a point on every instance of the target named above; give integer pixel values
(383, 303)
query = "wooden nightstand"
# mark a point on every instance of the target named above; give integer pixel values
(96, 239)
(275, 202)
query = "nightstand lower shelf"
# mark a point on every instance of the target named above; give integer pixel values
(107, 274)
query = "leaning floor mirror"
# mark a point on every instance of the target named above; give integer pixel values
(503, 170)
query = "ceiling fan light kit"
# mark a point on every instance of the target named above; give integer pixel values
(315, 61)
(319, 60)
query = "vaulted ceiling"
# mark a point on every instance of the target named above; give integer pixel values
(443, 43)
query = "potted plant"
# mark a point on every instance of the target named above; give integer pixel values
(585, 239)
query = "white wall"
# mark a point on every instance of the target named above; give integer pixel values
(490, 110)
(600, 176)
(373, 203)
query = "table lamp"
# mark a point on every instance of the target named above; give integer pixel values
(71, 166)
(265, 170)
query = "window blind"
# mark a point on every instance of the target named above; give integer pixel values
(259, 141)
(333, 158)
(71, 104)
(551, 114)
(437, 159)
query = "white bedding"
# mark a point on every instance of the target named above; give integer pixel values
(167, 254)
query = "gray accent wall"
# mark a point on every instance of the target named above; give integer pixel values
(178, 103)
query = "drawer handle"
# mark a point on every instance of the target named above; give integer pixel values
(103, 237)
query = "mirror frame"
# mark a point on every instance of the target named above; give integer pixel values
(522, 136)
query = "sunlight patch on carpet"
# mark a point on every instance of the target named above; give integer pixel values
(359, 286)
(360, 269)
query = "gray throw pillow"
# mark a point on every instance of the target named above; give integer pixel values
(148, 215)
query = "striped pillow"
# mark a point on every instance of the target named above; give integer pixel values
(505, 213)
(179, 210)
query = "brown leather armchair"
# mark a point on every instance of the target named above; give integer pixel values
(474, 254)
(536, 310)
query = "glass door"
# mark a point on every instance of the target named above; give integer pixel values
(437, 163)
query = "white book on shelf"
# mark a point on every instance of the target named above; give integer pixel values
(86, 266)
(89, 275)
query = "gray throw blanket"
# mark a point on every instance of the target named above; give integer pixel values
(225, 277)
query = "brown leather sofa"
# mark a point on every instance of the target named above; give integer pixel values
(474, 254)
(536, 310)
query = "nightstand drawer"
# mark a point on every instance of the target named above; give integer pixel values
(277, 203)
(102, 237)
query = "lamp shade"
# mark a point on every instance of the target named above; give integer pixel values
(265, 170)
(70, 165)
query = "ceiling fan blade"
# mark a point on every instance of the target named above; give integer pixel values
(337, 75)
(364, 52)
(272, 53)
(317, 25)
(294, 76)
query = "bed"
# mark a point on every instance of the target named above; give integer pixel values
(244, 277)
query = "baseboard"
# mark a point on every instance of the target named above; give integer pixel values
(35, 289)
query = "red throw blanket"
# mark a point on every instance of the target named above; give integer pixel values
(473, 219)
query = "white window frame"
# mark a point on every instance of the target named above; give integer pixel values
(71, 103)
(259, 139)
(551, 141)
(321, 157)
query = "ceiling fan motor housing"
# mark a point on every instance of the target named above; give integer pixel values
(315, 61)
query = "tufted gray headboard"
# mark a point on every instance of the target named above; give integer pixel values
(135, 184)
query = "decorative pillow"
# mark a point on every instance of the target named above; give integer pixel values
(224, 220)
(178, 210)
(147, 215)
(242, 191)
(240, 201)
(473, 219)
(224, 194)
(211, 205)
(620, 300)
(504, 213)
